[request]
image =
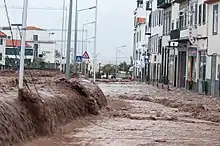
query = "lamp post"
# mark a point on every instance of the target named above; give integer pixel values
(76, 32)
(69, 40)
(62, 36)
(83, 38)
(23, 39)
(75, 37)
(116, 61)
(95, 39)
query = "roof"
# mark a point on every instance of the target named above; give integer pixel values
(34, 28)
(2, 34)
(16, 43)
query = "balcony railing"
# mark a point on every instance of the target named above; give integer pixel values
(210, 1)
(179, 1)
(175, 34)
(163, 4)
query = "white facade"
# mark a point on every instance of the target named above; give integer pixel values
(46, 42)
(156, 32)
(140, 39)
(2, 50)
(213, 38)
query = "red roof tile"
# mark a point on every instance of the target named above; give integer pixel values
(2, 34)
(33, 28)
(16, 43)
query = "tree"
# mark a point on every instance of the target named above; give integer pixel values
(123, 67)
(108, 68)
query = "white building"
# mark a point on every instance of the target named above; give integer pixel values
(140, 39)
(2, 47)
(213, 62)
(42, 41)
(155, 40)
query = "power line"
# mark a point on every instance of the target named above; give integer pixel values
(52, 29)
(35, 8)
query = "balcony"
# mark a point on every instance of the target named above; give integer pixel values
(163, 4)
(178, 1)
(210, 1)
(175, 34)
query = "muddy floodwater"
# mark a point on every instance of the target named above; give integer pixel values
(139, 114)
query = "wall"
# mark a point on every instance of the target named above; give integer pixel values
(2, 50)
(213, 40)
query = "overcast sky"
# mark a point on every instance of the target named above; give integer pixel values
(115, 22)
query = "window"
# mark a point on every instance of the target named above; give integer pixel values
(29, 52)
(196, 9)
(1, 41)
(9, 37)
(0, 56)
(191, 15)
(172, 26)
(159, 18)
(140, 35)
(169, 22)
(215, 20)
(177, 24)
(12, 51)
(35, 37)
(185, 19)
(200, 14)
(204, 14)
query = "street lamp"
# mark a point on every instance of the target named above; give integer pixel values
(93, 22)
(83, 39)
(23, 39)
(116, 67)
(95, 39)
(76, 28)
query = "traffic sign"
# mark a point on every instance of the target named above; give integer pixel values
(85, 55)
(78, 58)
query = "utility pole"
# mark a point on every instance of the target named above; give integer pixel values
(62, 37)
(23, 43)
(69, 40)
(75, 37)
(95, 39)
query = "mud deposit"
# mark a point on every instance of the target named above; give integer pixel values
(143, 115)
(43, 106)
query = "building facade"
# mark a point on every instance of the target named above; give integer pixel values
(213, 59)
(41, 41)
(181, 43)
(139, 39)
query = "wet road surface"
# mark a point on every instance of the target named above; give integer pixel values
(140, 114)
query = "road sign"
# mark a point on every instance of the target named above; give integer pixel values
(85, 55)
(78, 58)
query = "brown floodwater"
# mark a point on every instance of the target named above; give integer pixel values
(140, 114)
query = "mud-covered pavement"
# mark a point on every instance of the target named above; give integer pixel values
(139, 114)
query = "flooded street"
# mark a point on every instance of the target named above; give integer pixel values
(140, 114)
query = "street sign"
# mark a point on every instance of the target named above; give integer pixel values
(85, 55)
(78, 58)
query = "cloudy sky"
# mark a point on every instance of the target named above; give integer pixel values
(115, 22)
